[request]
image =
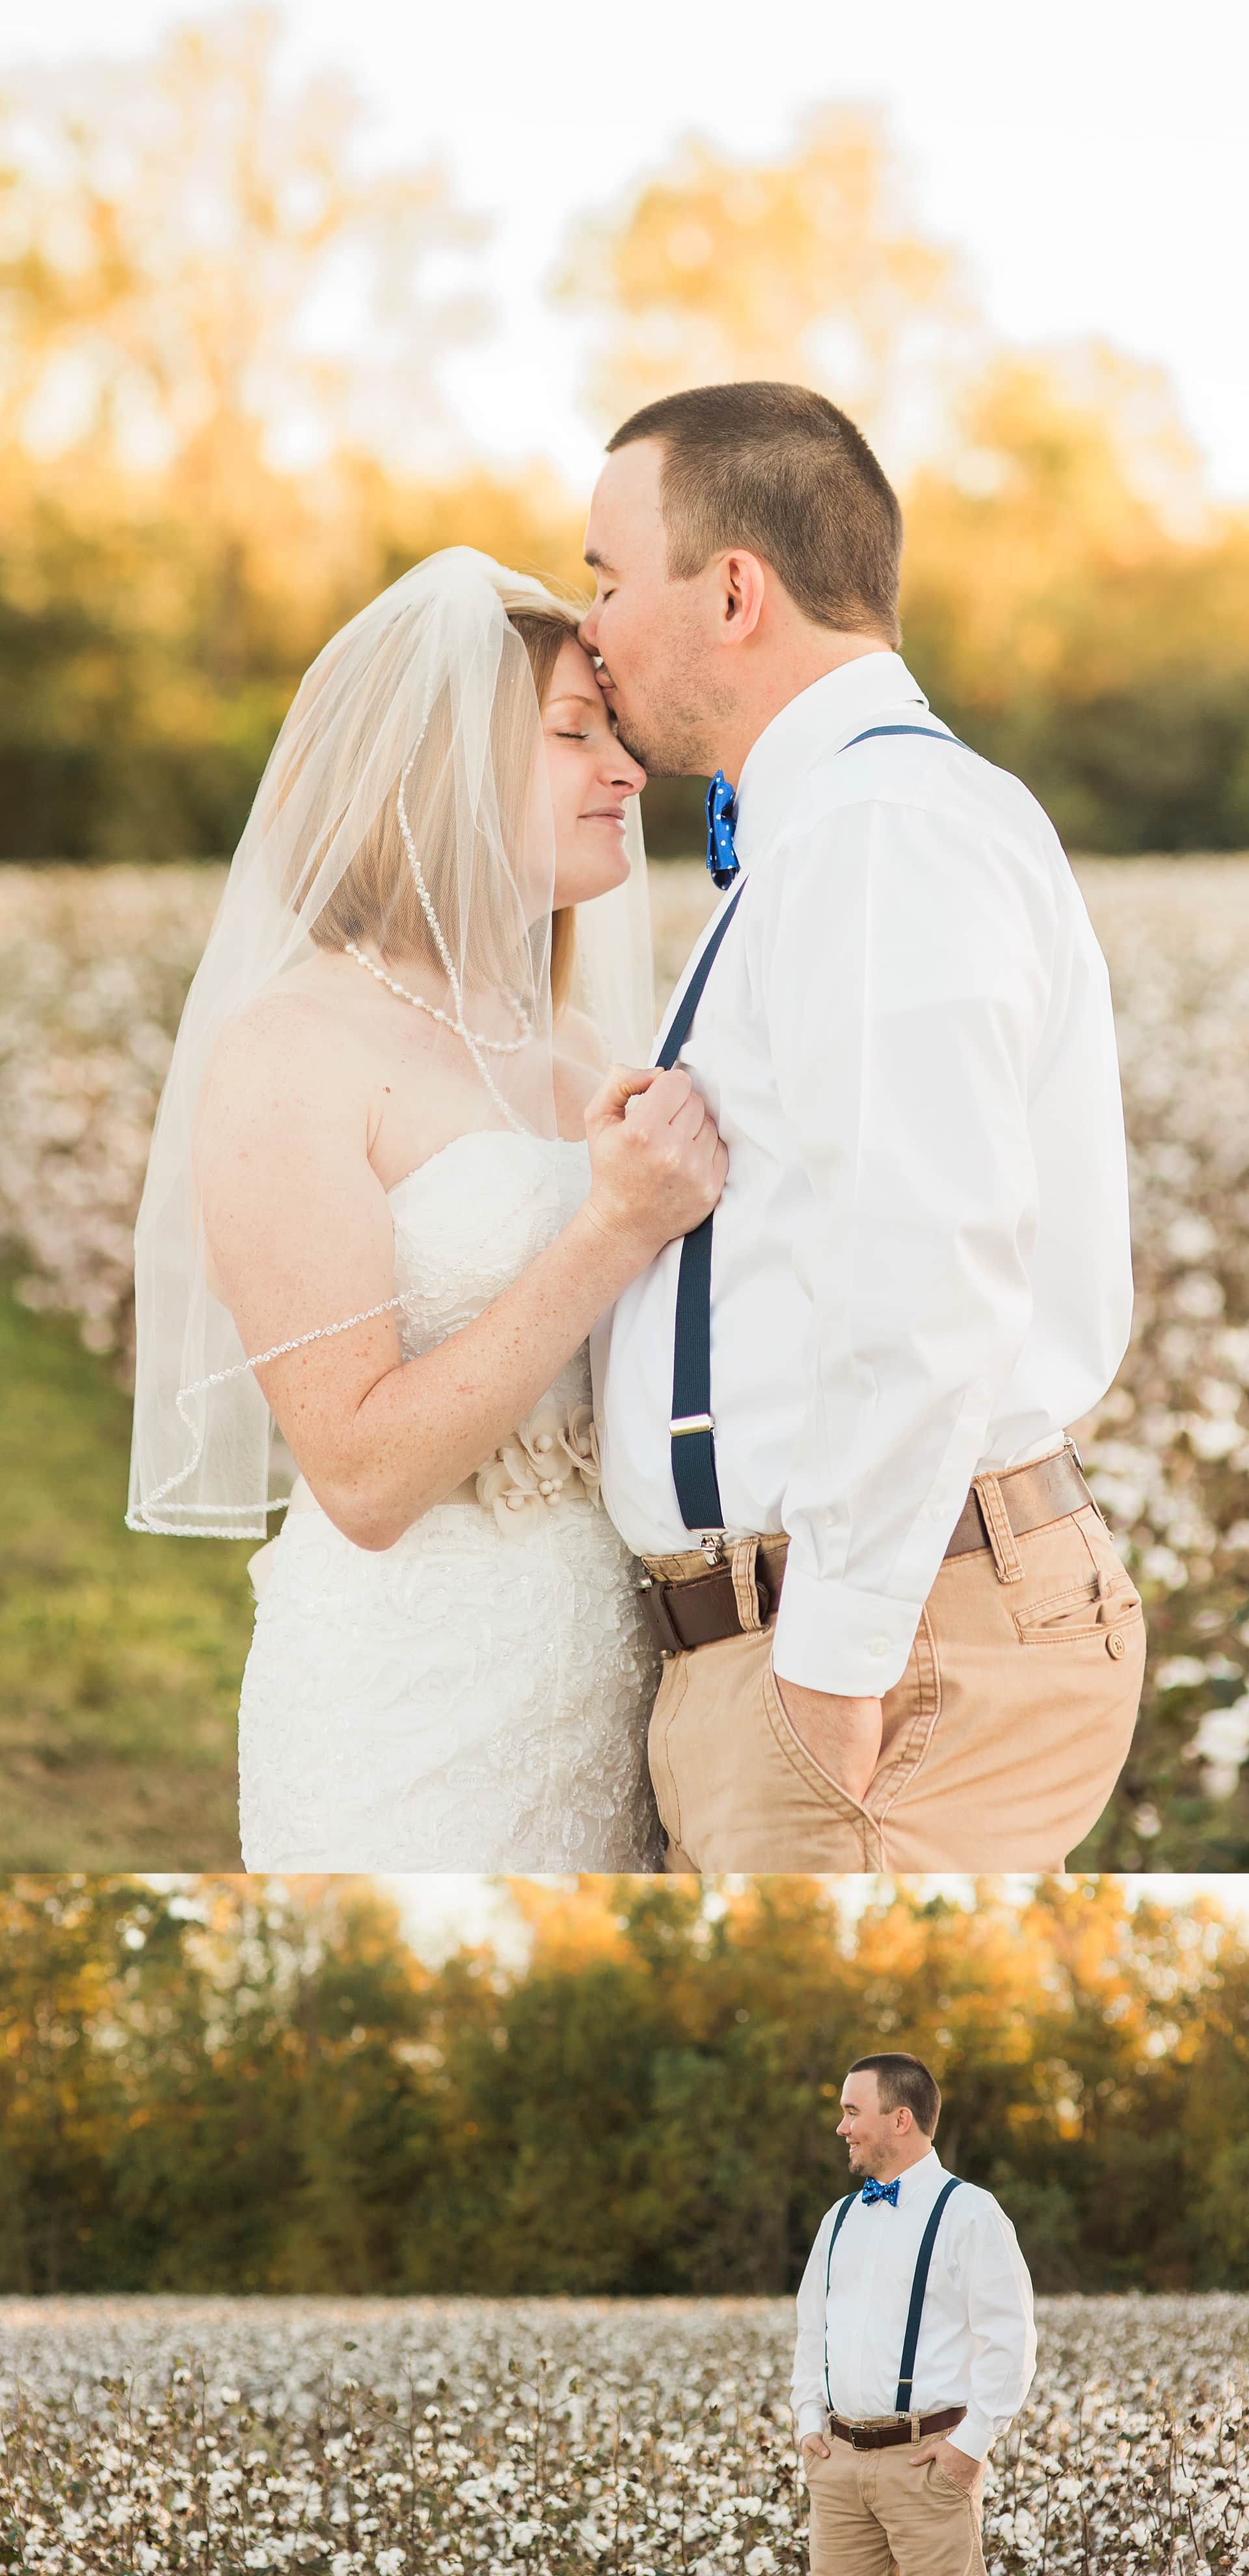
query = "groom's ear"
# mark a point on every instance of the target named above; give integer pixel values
(742, 584)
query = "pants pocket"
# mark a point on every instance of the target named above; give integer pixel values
(804, 1761)
(673, 1684)
(935, 2477)
(1085, 1611)
(1097, 1602)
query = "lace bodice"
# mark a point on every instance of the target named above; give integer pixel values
(475, 1697)
(472, 1218)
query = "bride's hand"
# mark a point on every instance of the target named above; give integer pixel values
(657, 1162)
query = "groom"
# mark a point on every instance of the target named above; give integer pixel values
(915, 2341)
(897, 1633)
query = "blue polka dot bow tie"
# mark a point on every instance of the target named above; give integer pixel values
(721, 817)
(874, 2191)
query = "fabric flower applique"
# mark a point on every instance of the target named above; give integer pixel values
(549, 1457)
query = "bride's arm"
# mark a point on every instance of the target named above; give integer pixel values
(300, 1235)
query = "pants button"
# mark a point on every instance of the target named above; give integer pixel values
(1115, 1644)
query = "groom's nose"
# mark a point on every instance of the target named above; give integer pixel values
(588, 629)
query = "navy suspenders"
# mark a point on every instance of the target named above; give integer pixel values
(835, 2231)
(691, 1427)
(923, 2260)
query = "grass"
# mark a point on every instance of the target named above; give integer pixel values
(120, 1656)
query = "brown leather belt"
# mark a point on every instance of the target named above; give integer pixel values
(884, 2437)
(740, 1595)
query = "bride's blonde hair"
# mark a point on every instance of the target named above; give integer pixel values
(376, 889)
(544, 630)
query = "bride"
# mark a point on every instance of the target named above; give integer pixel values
(373, 1241)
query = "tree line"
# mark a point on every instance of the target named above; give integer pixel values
(246, 2085)
(195, 491)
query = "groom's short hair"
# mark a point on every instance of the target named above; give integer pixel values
(782, 472)
(904, 2080)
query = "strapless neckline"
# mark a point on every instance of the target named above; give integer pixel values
(478, 1136)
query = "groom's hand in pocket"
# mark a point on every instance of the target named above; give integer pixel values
(842, 1735)
(958, 2466)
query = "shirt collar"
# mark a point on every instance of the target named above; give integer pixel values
(824, 717)
(919, 2180)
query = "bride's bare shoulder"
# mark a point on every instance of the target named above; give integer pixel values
(287, 1049)
(286, 1023)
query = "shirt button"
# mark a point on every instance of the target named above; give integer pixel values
(1116, 1645)
(880, 1646)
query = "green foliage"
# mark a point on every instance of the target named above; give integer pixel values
(256, 2086)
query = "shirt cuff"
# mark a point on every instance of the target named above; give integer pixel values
(829, 1638)
(974, 2436)
(810, 2418)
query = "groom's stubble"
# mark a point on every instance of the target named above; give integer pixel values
(670, 720)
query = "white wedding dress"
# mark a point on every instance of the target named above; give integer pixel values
(475, 1697)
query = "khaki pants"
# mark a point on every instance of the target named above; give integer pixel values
(874, 2514)
(1002, 1741)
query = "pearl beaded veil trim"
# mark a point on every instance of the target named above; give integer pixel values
(241, 1368)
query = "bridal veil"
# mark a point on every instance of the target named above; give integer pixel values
(404, 810)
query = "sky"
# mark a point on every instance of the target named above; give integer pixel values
(440, 1910)
(1088, 159)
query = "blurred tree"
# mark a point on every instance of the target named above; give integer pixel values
(1079, 610)
(77, 1957)
(219, 352)
(254, 2085)
(194, 274)
(810, 267)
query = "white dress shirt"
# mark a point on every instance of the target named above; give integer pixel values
(921, 1262)
(977, 2343)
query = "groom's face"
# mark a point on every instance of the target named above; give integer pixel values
(652, 634)
(871, 2133)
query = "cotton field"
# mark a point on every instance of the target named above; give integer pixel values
(93, 966)
(639, 2438)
